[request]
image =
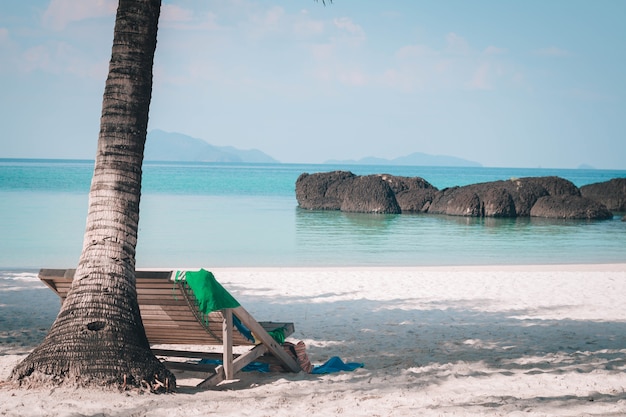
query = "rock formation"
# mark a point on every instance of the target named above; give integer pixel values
(342, 190)
(565, 206)
(610, 193)
(323, 191)
(551, 197)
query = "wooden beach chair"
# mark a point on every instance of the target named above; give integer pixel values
(171, 317)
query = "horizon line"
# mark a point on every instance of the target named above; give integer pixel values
(331, 163)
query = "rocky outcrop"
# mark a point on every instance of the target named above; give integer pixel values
(369, 194)
(570, 207)
(416, 200)
(552, 197)
(413, 194)
(477, 200)
(610, 193)
(323, 191)
(456, 201)
(342, 190)
(527, 191)
(512, 198)
(400, 184)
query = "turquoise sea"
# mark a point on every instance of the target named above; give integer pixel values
(222, 215)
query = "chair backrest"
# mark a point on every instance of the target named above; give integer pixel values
(168, 309)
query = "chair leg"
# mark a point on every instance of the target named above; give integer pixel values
(238, 364)
(227, 330)
(272, 346)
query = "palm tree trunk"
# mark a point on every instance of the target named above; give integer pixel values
(98, 337)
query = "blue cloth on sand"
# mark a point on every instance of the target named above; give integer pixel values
(335, 364)
(253, 366)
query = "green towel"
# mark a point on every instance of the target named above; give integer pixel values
(211, 296)
(209, 293)
(278, 335)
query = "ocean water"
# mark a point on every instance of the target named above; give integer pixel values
(219, 215)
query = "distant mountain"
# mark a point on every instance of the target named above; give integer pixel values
(417, 158)
(171, 146)
(586, 166)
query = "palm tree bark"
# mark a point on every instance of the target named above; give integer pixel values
(98, 337)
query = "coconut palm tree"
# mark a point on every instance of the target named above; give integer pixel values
(98, 337)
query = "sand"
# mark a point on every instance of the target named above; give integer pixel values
(438, 341)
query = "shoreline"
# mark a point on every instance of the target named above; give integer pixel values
(561, 266)
(483, 340)
(601, 266)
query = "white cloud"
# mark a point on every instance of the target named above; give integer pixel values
(401, 80)
(174, 13)
(273, 16)
(61, 57)
(352, 77)
(263, 23)
(62, 12)
(38, 57)
(7, 50)
(322, 52)
(307, 27)
(480, 79)
(179, 18)
(346, 24)
(415, 51)
(267, 20)
(338, 59)
(456, 66)
(494, 50)
(323, 74)
(443, 65)
(4, 35)
(552, 51)
(209, 21)
(332, 68)
(457, 44)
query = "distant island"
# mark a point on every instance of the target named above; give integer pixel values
(417, 158)
(178, 147)
(171, 146)
(586, 166)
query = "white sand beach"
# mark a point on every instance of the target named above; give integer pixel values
(435, 341)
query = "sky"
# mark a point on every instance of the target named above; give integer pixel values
(504, 83)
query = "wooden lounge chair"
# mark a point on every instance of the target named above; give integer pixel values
(170, 316)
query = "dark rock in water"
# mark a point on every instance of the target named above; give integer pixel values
(323, 191)
(416, 200)
(551, 197)
(369, 194)
(512, 198)
(456, 201)
(413, 194)
(610, 193)
(570, 207)
(525, 193)
(555, 185)
(490, 199)
(399, 184)
(342, 190)
(497, 202)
